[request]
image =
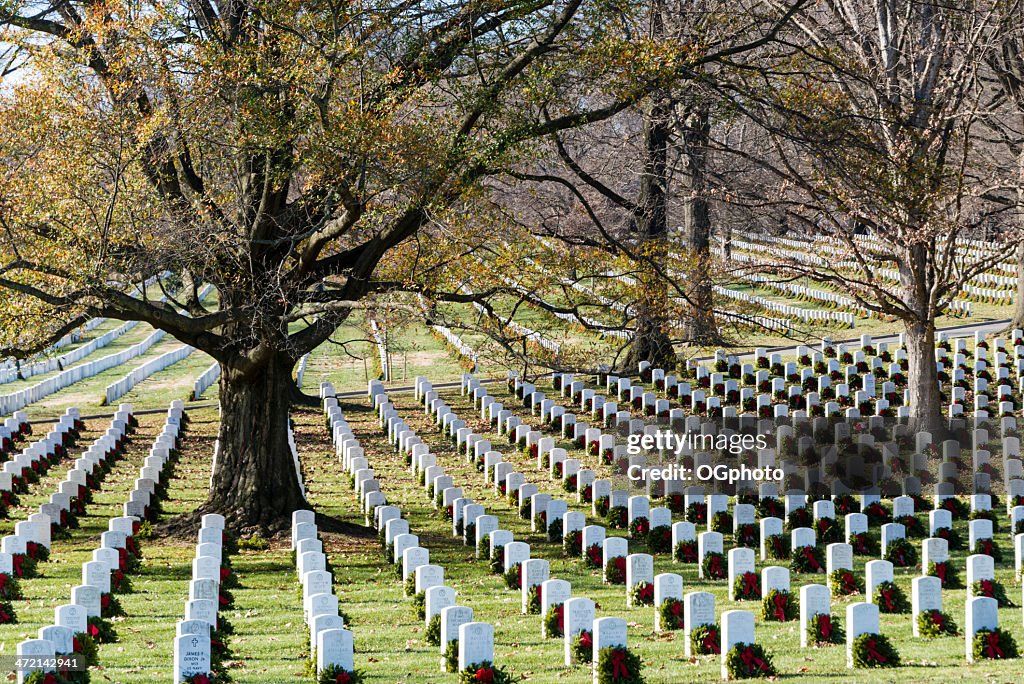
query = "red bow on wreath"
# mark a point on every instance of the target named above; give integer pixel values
(825, 626)
(750, 660)
(50, 678)
(940, 571)
(710, 642)
(343, 678)
(17, 561)
(619, 669)
(104, 601)
(992, 645)
(873, 654)
(620, 565)
(485, 675)
(586, 641)
(560, 612)
(200, 679)
(94, 631)
(986, 588)
(749, 583)
(676, 608)
(809, 555)
(937, 619)
(715, 565)
(780, 606)
(887, 597)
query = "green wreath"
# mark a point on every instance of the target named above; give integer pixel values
(583, 646)
(901, 553)
(533, 600)
(807, 559)
(642, 594)
(746, 587)
(705, 640)
(433, 632)
(992, 589)
(749, 661)
(946, 573)
(714, 566)
(721, 522)
(639, 528)
(101, 630)
(554, 621)
(419, 604)
(410, 584)
(572, 544)
(335, 674)
(988, 547)
(497, 560)
(554, 531)
(935, 623)
(890, 598)
(994, 644)
(671, 614)
(779, 606)
(514, 577)
(775, 547)
(615, 570)
(685, 551)
(845, 583)
(874, 650)
(485, 672)
(823, 630)
(451, 656)
(617, 517)
(618, 665)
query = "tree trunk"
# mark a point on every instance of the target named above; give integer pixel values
(254, 484)
(650, 224)
(1017, 320)
(925, 402)
(700, 324)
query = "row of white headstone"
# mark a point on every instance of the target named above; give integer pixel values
(56, 437)
(192, 643)
(475, 639)
(205, 380)
(13, 428)
(122, 386)
(72, 618)
(330, 643)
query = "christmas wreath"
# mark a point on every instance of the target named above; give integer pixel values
(697, 513)
(713, 566)
(799, 517)
(721, 522)
(110, 606)
(901, 553)
(748, 661)
(569, 484)
(85, 646)
(912, 525)
(618, 665)
(671, 614)
(554, 621)
(642, 594)
(770, 507)
(989, 548)
(890, 598)
(419, 604)
(10, 587)
(497, 560)
(845, 504)
(877, 513)
(775, 547)
(615, 570)
(746, 535)
(746, 587)
(514, 577)
(594, 557)
(992, 589)
(583, 647)
(554, 531)
(433, 632)
(639, 527)
(618, 517)
(601, 504)
(935, 623)
(845, 583)
(705, 640)
(779, 606)
(659, 539)
(7, 614)
(822, 630)
(874, 650)
(533, 600)
(335, 674)
(685, 551)
(101, 630)
(946, 573)
(807, 559)
(572, 544)
(828, 530)
(484, 673)
(954, 541)
(451, 656)
(993, 644)
(410, 584)
(863, 544)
